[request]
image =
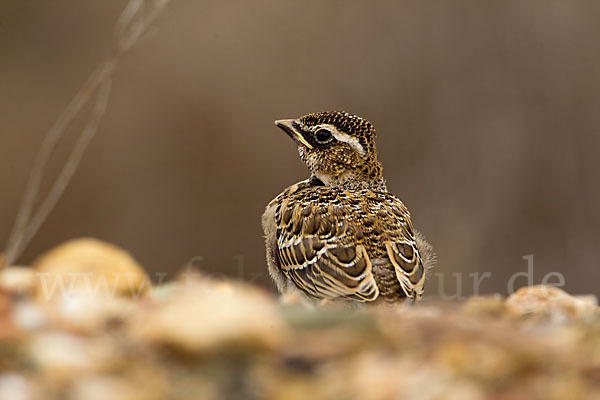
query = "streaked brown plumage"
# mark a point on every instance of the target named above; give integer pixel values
(340, 234)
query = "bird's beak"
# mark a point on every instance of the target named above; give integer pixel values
(288, 127)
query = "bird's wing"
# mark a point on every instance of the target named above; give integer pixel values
(408, 265)
(391, 225)
(318, 250)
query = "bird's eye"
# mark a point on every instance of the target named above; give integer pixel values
(323, 135)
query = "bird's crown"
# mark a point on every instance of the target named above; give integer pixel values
(352, 125)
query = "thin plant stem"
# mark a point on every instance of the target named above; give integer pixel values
(131, 25)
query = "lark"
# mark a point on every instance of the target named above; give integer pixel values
(340, 235)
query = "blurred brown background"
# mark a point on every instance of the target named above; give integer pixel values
(487, 116)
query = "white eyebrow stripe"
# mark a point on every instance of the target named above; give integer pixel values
(352, 141)
(342, 137)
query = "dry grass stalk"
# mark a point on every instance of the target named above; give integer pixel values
(132, 24)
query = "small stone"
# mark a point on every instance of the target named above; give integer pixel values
(202, 316)
(19, 280)
(88, 315)
(29, 316)
(550, 302)
(16, 387)
(91, 268)
(62, 356)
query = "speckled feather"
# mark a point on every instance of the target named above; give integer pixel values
(349, 239)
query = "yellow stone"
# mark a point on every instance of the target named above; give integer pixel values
(551, 302)
(20, 280)
(89, 267)
(203, 315)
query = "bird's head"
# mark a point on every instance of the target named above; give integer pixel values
(337, 147)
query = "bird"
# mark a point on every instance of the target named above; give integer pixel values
(340, 235)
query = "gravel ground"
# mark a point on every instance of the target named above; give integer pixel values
(199, 338)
